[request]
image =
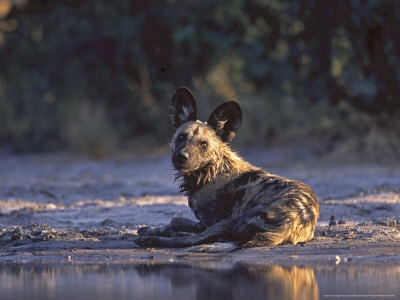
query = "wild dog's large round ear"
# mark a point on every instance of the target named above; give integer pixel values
(182, 107)
(226, 120)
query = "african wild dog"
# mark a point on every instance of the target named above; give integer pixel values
(233, 200)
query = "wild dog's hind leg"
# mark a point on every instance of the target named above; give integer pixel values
(276, 224)
(176, 228)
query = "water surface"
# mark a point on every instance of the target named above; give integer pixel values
(200, 280)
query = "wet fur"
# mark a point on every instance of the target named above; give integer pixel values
(233, 200)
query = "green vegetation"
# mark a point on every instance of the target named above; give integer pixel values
(94, 75)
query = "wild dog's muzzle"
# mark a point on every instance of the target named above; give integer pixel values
(179, 159)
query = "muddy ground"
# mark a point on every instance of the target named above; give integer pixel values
(67, 207)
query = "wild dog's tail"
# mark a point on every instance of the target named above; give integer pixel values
(291, 218)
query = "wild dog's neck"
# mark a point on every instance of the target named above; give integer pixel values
(226, 164)
(232, 163)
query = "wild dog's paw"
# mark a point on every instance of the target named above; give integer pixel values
(164, 231)
(148, 241)
(139, 240)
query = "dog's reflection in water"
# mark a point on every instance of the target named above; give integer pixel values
(238, 281)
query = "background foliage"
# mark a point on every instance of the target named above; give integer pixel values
(95, 75)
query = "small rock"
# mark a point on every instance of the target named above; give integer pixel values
(107, 222)
(349, 236)
(332, 223)
(37, 233)
(16, 237)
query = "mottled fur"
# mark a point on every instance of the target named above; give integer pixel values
(233, 200)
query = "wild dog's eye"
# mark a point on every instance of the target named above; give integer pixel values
(204, 144)
(181, 137)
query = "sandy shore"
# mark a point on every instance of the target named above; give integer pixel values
(64, 207)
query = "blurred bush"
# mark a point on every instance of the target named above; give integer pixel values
(95, 75)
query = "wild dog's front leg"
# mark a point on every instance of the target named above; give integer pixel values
(219, 231)
(175, 228)
(186, 225)
(156, 231)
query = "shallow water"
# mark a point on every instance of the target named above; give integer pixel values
(199, 280)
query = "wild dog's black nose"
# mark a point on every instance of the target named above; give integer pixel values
(181, 158)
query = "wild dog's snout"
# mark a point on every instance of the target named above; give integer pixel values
(179, 159)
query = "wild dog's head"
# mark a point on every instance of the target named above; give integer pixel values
(196, 144)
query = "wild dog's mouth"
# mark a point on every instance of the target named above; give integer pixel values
(183, 169)
(178, 166)
(187, 169)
